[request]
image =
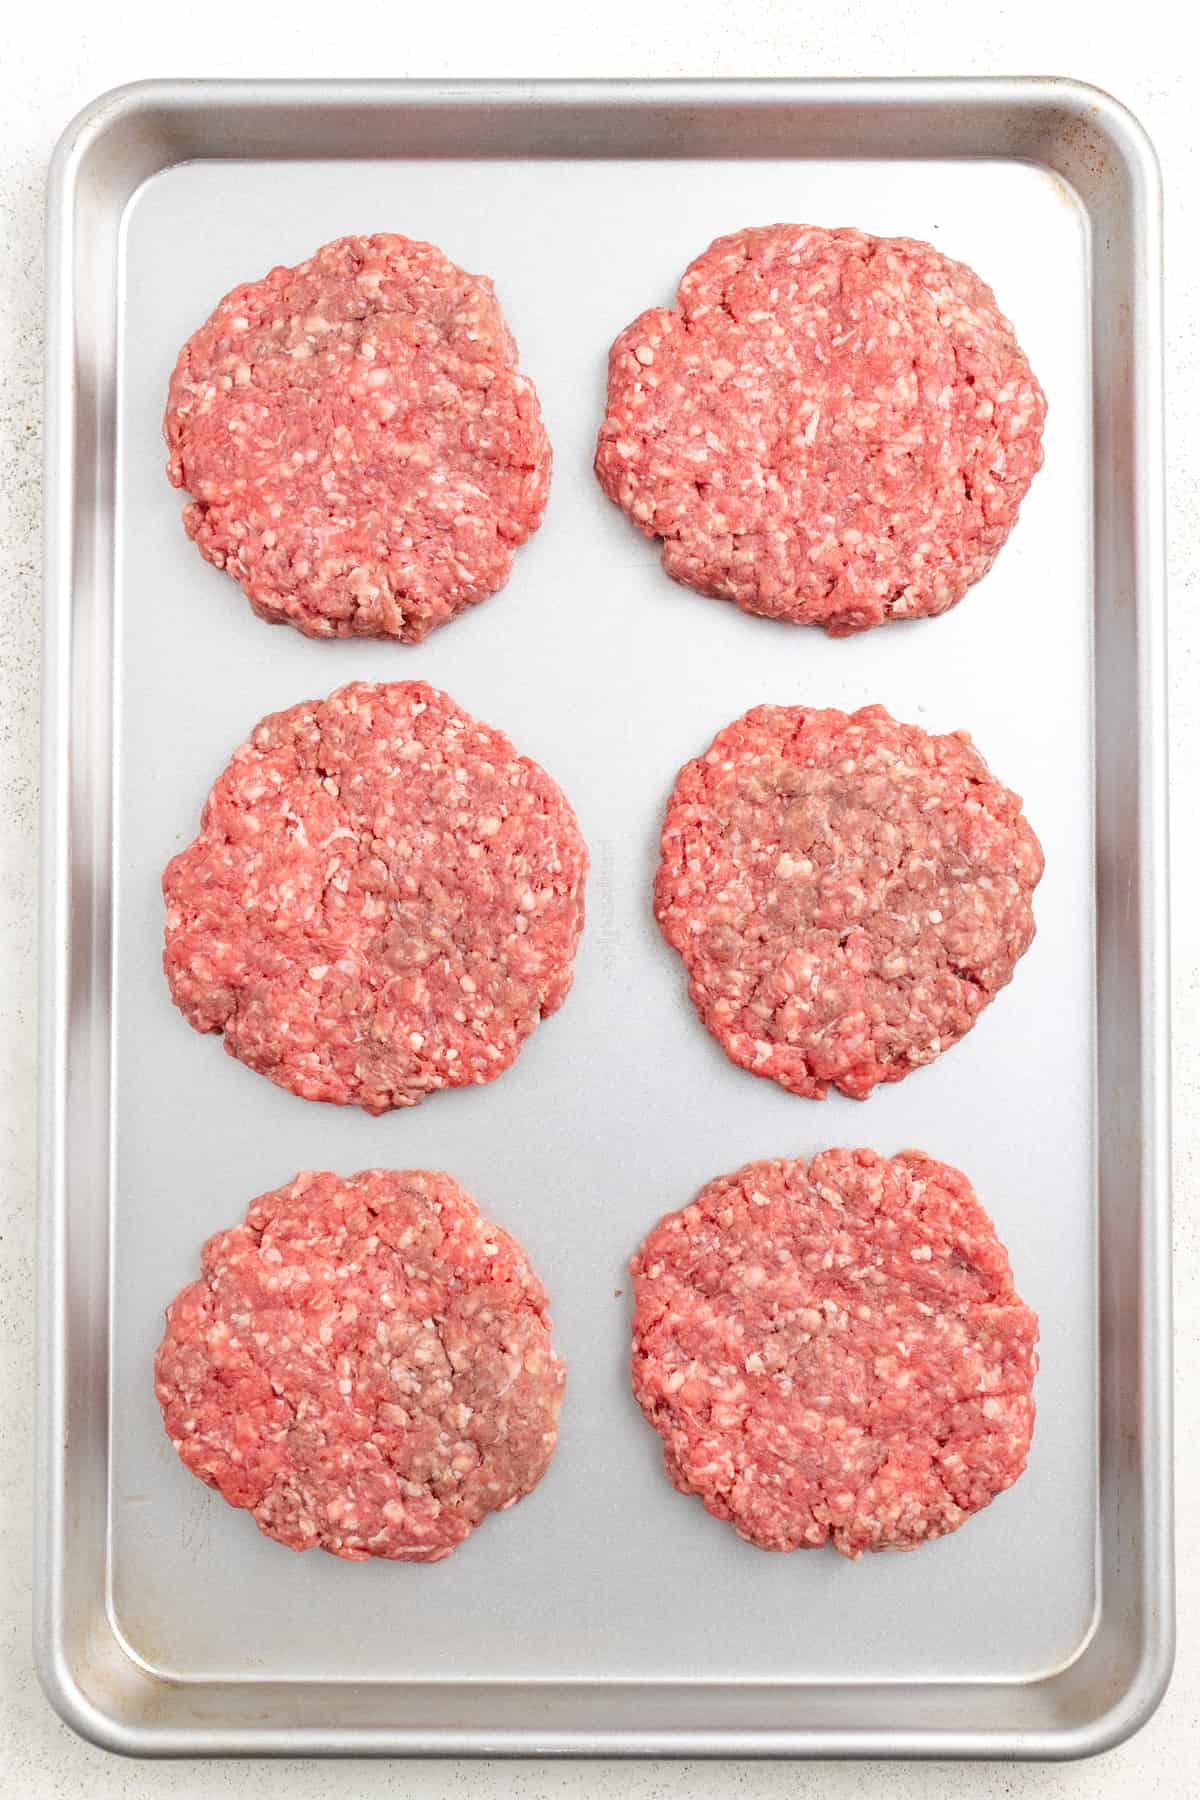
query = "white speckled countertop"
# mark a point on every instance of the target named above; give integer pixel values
(58, 58)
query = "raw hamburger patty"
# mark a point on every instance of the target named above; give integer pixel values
(835, 1351)
(365, 1365)
(847, 893)
(363, 454)
(384, 899)
(827, 427)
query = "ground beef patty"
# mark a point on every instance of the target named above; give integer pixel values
(384, 899)
(847, 893)
(365, 1365)
(829, 428)
(835, 1350)
(363, 454)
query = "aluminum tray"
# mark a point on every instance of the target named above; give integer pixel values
(606, 1614)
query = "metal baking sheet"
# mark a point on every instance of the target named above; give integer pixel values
(606, 1614)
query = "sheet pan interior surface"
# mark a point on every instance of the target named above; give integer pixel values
(605, 1582)
(621, 1106)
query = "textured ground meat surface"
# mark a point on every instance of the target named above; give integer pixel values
(362, 452)
(365, 1365)
(827, 427)
(835, 1351)
(383, 900)
(847, 893)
